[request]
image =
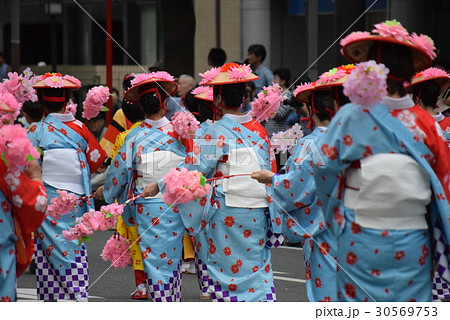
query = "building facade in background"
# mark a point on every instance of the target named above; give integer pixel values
(176, 35)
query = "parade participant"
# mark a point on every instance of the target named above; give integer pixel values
(294, 194)
(135, 115)
(426, 93)
(22, 196)
(148, 153)
(394, 150)
(71, 155)
(119, 122)
(238, 260)
(24, 201)
(200, 103)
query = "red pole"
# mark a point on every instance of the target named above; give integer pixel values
(109, 58)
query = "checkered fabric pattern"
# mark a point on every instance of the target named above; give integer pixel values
(202, 274)
(219, 295)
(440, 288)
(274, 239)
(166, 292)
(271, 297)
(65, 284)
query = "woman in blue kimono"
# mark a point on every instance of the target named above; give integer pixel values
(199, 103)
(147, 154)
(71, 154)
(384, 181)
(238, 259)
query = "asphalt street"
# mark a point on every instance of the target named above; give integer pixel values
(113, 285)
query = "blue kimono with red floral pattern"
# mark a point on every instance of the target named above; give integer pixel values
(385, 264)
(238, 261)
(294, 196)
(159, 226)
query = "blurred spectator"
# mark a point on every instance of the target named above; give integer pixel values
(256, 56)
(174, 104)
(216, 57)
(3, 67)
(249, 96)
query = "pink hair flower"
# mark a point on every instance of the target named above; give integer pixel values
(425, 43)
(71, 107)
(240, 72)
(366, 85)
(183, 186)
(185, 124)
(391, 28)
(209, 75)
(267, 102)
(95, 98)
(62, 205)
(116, 251)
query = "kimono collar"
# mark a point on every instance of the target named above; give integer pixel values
(244, 118)
(404, 102)
(439, 117)
(157, 123)
(63, 117)
(325, 129)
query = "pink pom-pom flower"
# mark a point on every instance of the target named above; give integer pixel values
(62, 205)
(207, 90)
(183, 186)
(185, 124)
(209, 75)
(72, 79)
(92, 221)
(95, 98)
(9, 107)
(267, 102)
(366, 85)
(391, 28)
(425, 43)
(116, 251)
(432, 73)
(15, 148)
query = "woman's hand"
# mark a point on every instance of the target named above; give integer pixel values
(150, 190)
(98, 194)
(33, 170)
(263, 176)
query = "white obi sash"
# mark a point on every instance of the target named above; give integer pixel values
(68, 177)
(155, 165)
(242, 191)
(389, 191)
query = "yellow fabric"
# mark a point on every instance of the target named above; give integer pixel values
(188, 249)
(132, 235)
(120, 139)
(107, 142)
(125, 231)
